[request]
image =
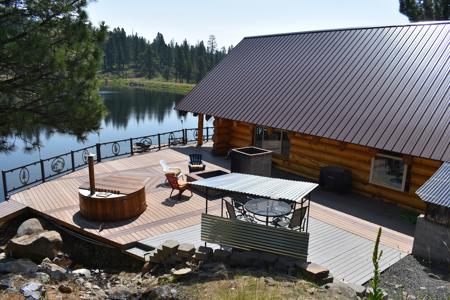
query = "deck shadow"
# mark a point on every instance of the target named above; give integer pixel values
(83, 223)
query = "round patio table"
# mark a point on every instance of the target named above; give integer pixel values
(267, 208)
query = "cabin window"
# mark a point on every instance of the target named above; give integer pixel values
(273, 140)
(388, 171)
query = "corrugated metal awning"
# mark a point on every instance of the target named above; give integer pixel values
(259, 186)
(437, 189)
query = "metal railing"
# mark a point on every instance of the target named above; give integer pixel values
(18, 178)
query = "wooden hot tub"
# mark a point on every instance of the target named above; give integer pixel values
(116, 198)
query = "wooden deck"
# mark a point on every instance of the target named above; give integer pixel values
(58, 201)
(10, 209)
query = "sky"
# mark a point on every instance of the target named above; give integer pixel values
(231, 20)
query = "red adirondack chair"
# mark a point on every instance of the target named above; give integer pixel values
(177, 184)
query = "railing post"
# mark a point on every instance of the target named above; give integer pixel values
(42, 170)
(207, 133)
(72, 159)
(159, 141)
(5, 188)
(131, 146)
(184, 137)
(99, 154)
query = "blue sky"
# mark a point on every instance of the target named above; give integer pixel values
(231, 20)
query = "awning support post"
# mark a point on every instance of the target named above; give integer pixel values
(200, 130)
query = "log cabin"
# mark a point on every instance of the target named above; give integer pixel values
(372, 100)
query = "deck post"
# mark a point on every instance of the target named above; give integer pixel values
(159, 141)
(131, 147)
(5, 189)
(207, 133)
(99, 154)
(200, 130)
(72, 160)
(42, 170)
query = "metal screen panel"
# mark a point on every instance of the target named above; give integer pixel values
(249, 236)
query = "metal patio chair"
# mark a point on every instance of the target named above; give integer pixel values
(231, 211)
(296, 221)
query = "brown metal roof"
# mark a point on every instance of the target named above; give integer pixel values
(382, 87)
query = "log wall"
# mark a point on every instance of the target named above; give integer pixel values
(308, 154)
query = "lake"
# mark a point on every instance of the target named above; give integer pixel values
(132, 112)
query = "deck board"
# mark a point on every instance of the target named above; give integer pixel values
(10, 209)
(58, 200)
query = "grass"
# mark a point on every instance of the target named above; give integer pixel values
(155, 84)
(243, 287)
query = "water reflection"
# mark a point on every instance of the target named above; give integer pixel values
(138, 104)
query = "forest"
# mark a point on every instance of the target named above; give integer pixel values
(172, 61)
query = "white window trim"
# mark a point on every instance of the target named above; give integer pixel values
(405, 172)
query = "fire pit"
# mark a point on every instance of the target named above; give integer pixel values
(112, 198)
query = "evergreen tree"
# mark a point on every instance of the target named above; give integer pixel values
(425, 10)
(49, 57)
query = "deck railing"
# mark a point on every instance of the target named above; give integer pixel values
(40, 171)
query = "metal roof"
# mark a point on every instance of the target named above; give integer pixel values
(259, 186)
(437, 189)
(382, 87)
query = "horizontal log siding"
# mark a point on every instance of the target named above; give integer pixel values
(308, 154)
(231, 134)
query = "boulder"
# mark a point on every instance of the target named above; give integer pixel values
(221, 255)
(56, 272)
(119, 292)
(181, 273)
(339, 290)
(22, 266)
(35, 246)
(42, 277)
(313, 271)
(32, 290)
(29, 227)
(186, 250)
(170, 246)
(161, 293)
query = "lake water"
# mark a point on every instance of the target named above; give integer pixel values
(132, 112)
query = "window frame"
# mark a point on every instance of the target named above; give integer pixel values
(404, 176)
(280, 147)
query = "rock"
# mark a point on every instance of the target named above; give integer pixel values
(64, 262)
(30, 226)
(311, 291)
(22, 266)
(181, 273)
(56, 272)
(244, 258)
(340, 290)
(119, 292)
(146, 268)
(6, 281)
(42, 277)
(82, 273)
(36, 246)
(186, 250)
(203, 253)
(2, 256)
(170, 246)
(359, 289)
(270, 281)
(221, 255)
(411, 297)
(268, 258)
(161, 293)
(65, 289)
(80, 282)
(87, 285)
(32, 290)
(286, 264)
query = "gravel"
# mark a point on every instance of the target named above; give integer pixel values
(410, 279)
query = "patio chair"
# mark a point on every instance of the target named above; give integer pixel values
(196, 163)
(231, 211)
(174, 170)
(177, 184)
(296, 221)
(238, 201)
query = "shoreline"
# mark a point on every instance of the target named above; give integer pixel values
(148, 84)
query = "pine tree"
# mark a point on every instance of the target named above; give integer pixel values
(425, 10)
